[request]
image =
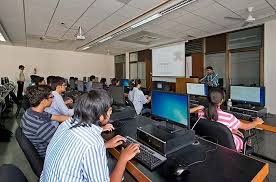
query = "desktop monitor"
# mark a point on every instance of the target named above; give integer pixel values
(198, 89)
(80, 86)
(117, 93)
(171, 107)
(97, 85)
(72, 83)
(161, 85)
(248, 95)
(125, 82)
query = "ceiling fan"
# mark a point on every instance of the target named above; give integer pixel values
(247, 21)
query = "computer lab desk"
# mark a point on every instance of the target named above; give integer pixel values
(220, 165)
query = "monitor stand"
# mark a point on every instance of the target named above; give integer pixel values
(170, 128)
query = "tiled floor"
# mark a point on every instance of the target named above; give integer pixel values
(10, 152)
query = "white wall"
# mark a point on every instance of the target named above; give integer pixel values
(54, 62)
(270, 65)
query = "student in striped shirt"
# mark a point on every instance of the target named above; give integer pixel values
(214, 113)
(77, 151)
(36, 124)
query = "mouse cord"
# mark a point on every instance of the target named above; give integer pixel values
(206, 153)
(196, 123)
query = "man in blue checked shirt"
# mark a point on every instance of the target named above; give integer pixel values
(211, 78)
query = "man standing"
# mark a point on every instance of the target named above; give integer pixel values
(211, 78)
(20, 82)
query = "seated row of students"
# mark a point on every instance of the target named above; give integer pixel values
(75, 150)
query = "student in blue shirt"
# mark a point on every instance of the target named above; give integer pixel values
(77, 151)
(211, 78)
(137, 97)
(58, 105)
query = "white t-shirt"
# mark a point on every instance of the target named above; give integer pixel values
(138, 99)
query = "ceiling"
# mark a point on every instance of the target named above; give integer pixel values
(25, 21)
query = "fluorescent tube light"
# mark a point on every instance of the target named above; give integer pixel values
(105, 39)
(142, 22)
(2, 38)
(176, 6)
(85, 48)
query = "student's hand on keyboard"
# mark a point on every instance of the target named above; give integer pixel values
(107, 127)
(129, 152)
(259, 121)
(115, 141)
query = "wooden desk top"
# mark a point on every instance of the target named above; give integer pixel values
(220, 165)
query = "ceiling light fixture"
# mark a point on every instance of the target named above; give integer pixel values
(85, 48)
(2, 38)
(144, 21)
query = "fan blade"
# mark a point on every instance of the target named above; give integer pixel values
(265, 19)
(245, 24)
(234, 18)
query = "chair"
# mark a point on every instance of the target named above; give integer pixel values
(35, 161)
(25, 104)
(9, 172)
(221, 133)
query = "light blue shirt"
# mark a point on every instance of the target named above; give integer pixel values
(58, 106)
(76, 155)
(138, 99)
(89, 86)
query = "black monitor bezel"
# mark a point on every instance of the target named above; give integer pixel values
(170, 121)
(248, 102)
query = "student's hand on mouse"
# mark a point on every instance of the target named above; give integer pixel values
(115, 141)
(258, 121)
(129, 152)
(108, 127)
(69, 101)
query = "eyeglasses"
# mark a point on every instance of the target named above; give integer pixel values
(51, 97)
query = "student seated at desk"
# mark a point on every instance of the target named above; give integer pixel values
(137, 97)
(77, 151)
(103, 82)
(216, 98)
(58, 106)
(49, 80)
(115, 82)
(36, 123)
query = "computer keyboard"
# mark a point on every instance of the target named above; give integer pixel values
(242, 116)
(147, 156)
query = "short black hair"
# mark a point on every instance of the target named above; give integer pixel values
(50, 79)
(92, 77)
(57, 81)
(38, 80)
(90, 106)
(209, 68)
(21, 66)
(33, 77)
(37, 93)
(114, 81)
(103, 80)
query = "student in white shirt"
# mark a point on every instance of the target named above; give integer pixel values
(137, 97)
(58, 106)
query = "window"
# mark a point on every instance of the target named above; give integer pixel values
(245, 68)
(120, 71)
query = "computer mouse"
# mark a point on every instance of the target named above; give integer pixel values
(111, 121)
(180, 169)
(196, 142)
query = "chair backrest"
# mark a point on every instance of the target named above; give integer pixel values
(215, 130)
(35, 161)
(9, 172)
